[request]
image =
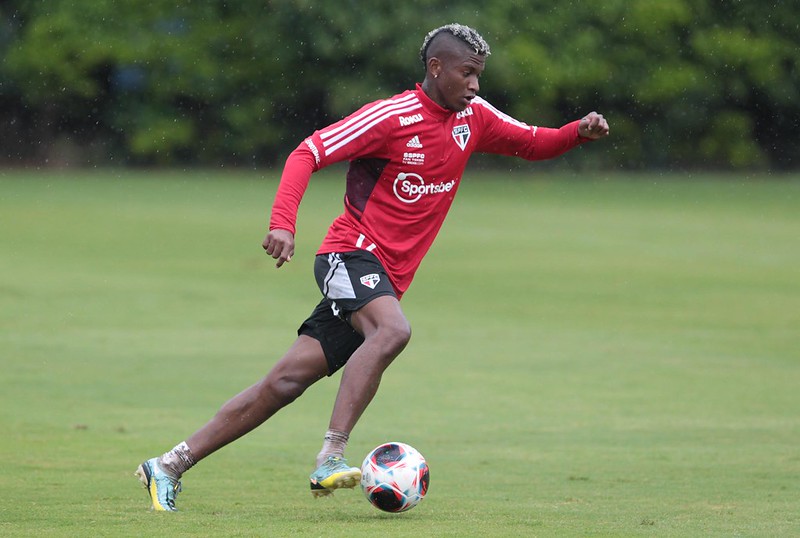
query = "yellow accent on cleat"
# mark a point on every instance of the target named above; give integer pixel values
(333, 474)
(152, 478)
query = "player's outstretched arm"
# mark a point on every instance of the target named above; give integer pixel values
(280, 245)
(593, 126)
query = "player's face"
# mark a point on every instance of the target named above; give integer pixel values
(457, 83)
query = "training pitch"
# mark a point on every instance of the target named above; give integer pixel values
(615, 357)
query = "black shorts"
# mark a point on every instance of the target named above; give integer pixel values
(348, 281)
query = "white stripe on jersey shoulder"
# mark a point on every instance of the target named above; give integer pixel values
(339, 136)
(375, 108)
(502, 115)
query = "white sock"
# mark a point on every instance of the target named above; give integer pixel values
(334, 445)
(178, 460)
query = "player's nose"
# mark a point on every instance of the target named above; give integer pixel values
(472, 84)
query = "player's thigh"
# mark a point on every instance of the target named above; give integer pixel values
(381, 313)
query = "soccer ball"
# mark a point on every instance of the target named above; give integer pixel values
(394, 477)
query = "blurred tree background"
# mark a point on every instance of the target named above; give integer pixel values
(684, 83)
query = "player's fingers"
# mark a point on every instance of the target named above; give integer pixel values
(285, 255)
(602, 126)
(271, 247)
(588, 123)
(596, 125)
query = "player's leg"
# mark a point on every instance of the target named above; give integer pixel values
(386, 332)
(302, 365)
(361, 325)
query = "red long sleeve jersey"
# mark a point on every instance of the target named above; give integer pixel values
(407, 155)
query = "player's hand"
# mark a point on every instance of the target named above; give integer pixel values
(280, 245)
(593, 126)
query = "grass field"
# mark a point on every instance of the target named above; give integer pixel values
(618, 357)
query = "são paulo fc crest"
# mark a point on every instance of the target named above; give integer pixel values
(461, 135)
(370, 280)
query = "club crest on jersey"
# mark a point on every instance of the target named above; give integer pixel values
(461, 135)
(371, 280)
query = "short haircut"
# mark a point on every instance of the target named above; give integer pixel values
(469, 36)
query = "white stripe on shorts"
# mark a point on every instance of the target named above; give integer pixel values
(337, 282)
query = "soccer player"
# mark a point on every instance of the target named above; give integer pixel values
(407, 155)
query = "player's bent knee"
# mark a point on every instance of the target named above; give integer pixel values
(404, 334)
(395, 337)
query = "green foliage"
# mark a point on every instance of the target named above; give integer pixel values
(241, 83)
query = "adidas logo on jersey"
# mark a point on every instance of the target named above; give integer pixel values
(414, 143)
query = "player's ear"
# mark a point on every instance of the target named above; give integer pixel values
(434, 66)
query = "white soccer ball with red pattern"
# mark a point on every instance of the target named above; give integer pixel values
(394, 477)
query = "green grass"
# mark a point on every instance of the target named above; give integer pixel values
(617, 357)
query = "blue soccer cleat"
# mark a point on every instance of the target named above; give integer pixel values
(334, 473)
(161, 487)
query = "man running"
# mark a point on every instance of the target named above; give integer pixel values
(407, 155)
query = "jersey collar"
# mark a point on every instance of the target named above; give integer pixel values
(430, 106)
